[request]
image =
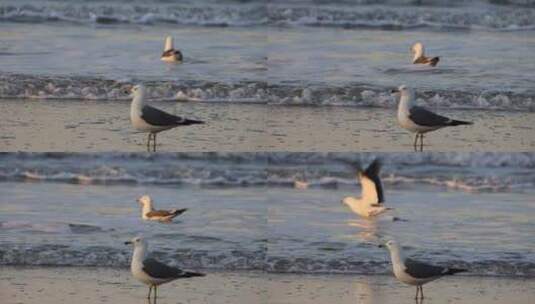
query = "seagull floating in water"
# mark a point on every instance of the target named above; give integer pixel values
(149, 214)
(152, 272)
(151, 120)
(418, 119)
(416, 273)
(371, 203)
(169, 53)
(418, 55)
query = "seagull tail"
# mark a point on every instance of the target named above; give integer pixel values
(190, 274)
(455, 270)
(459, 122)
(180, 211)
(433, 62)
(188, 121)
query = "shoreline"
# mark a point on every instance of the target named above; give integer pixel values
(25, 284)
(238, 127)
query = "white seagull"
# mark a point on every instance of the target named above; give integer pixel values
(169, 53)
(419, 120)
(152, 272)
(149, 214)
(418, 55)
(151, 120)
(416, 273)
(371, 203)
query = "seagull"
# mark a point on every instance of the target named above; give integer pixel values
(416, 273)
(169, 53)
(418, 53)
(152, 272)
(371, 203)
(149, 214)
(418, 119)
(151, 120)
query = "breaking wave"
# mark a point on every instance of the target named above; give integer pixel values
(499, 264)
(15, 86)
(389, 15)
(471, 172)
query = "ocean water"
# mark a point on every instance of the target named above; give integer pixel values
(300, 53)
(471, 210)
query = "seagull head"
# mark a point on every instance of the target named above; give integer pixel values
(392, 245)
(136, 241)
(400, 90)
(145, 199)
(138, 90)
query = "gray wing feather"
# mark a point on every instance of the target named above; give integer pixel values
(159, 270)
(422, 270)
(158, 117)
(424, 117)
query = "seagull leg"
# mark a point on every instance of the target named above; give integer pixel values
(417, 292)
(155, 291)
(154, 143)
(148, 142)
(150, 289)
(415, 141)
(421, 292)
(421, 142)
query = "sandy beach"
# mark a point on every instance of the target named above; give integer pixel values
(105, 126)
(104, 285)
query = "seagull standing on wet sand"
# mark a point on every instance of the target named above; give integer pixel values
(152, 272)
(371, 203)
(413, 272)
(418, 119)
(149, 214)
(169, 53)
(151, 120)
(418, 55)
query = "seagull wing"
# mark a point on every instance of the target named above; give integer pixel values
(161, 271)
(422, 270)
(372, 188)
(424, 117)
(159, 213)
(158, 117)
(169, 52)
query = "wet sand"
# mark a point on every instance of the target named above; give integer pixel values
(45, 285)
(85, 126)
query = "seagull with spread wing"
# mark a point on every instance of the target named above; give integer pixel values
(170, 54)
(418, 55)
(371, 203)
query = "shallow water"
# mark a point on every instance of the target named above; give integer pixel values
(76, 210)
(342, 53)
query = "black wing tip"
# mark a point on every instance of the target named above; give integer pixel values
(452, 271)
(190, 274)
(373, 168)
(460, 122)
(188, 122)
(180, 211)
(434, 61)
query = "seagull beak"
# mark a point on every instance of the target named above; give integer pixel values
(128, 243)
(393, 91)
(380, 246)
